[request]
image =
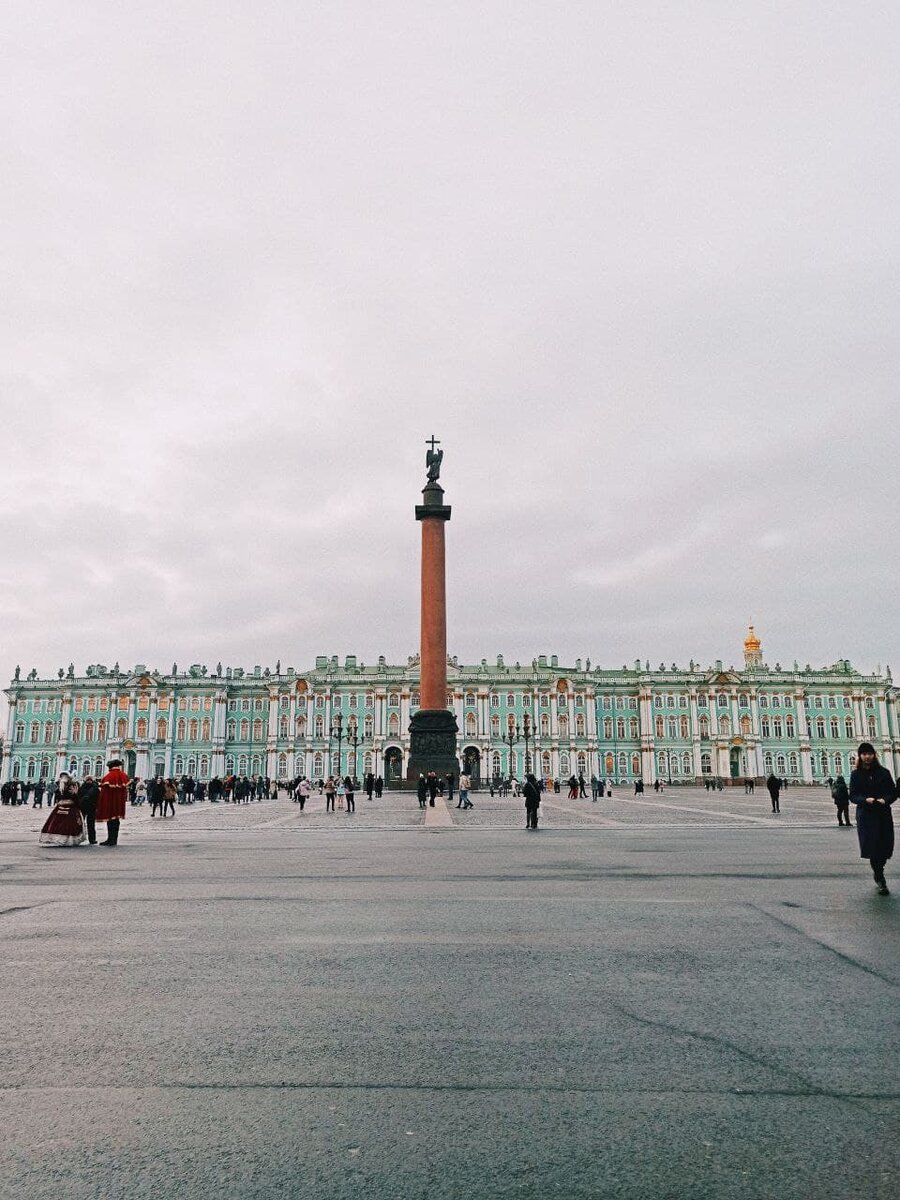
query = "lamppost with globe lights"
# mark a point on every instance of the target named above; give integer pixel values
(353, 739)
(512, 735)
(337, 731)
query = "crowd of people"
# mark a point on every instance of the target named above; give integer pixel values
(77, 807)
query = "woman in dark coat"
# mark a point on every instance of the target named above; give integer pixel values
(773, 783)
(88, 795)
(873, 791)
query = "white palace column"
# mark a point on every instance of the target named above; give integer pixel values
(272, 736)
(695, 734)
(220, 710)
(6, 763)
(759, 769)
(65, 722)
(803, 729)
(648, 756)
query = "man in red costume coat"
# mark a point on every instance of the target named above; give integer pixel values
(113, 800)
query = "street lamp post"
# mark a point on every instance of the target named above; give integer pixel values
(512, 735)
(337, 731)
(527, 731)
(353, 739)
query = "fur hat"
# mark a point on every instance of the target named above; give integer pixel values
(866, 748)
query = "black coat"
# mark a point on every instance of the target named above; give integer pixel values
(88, 795)
(874, 823)
(773, 783)
(532, 796)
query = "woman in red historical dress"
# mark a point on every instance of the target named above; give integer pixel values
(65, 825)
(113, 800)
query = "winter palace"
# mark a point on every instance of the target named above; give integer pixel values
(671, 723)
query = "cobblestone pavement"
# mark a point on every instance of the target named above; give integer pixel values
(400, 810)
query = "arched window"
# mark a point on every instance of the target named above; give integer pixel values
(470, 699)
(76, 731)
(620, 727)
(32, 768)
(394, 700)
(545, 725)
(743, 700)
(820, 727)
(579, 725)
(229, 764)
(776, 727)
(367, 727)
(564, 763)
(722, 700)
(33, 731)
(142, 727)
(193, 730)
(582, 763)
(725, 725)
(301, 726)
(792, 762)
(607, 728)
(706, 763)
(282, 766)
(848, 727)
(242, 765)
(283, 727)
(245, 729)
(101, 730)
(510, 700)
(704, 727)
(495, 700)
(230, 730)
(780, 764)
(320, 727)
(703, 700)
(88, 731)
(633, 728)
(318, 765)
(745, 726)
(204, 766)
(686, 768)
(394, 725)
(662, 763)
(471, 725)
(415, 700)
(179, 764)
(870, 725)
(657, 701)
(495, 764)
(838, 764)
(98, 766)
(685, 728)
(257, 730)
(49, 731)
(180, 729)
(660, 727)
(789, 726)
(206, 729)
(495, 727)
(764, 727)
(635, 764)
(835, 727)
(671, 731)
(563, 727)
(367, 762)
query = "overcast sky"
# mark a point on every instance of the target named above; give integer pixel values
(635, 265)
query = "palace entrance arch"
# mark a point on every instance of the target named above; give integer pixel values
(472, 764)
(393, 767)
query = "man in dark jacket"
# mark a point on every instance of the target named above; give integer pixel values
(532, 795)
(422, 790)
(873, 791)
(841, 797)
(88, 795)
(773, 783)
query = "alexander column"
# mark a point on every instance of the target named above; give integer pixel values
(433, 729)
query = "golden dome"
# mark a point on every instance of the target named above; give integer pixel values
(751, 641)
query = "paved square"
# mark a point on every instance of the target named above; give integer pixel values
(675, 997)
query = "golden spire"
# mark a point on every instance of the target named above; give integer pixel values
(752, 643)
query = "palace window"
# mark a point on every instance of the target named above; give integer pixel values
(76, 731)
(230, 730)
(722, 700)
(34, 731)
(545, 700)
(685, 727)
(320, 727)
(258, 706)
(195, 703)
(394, 700)
(820, 727)
(257, 730)
(121, 728)
(415, 700)
(92, 703)
(193, 730)
(620, 727)
(704, 727)
(180, 729)
(835, 727)
(470, 700)
(104, 703)
(232, 705)
(245, 704)
(245, 730)
(545, 725)
(510, 700)
(725, 726)
(206, 729)
(394, 726)
(703, 700)
(162, 729)
(670, 728)
(743, 700)
(848, 727)
(776, 727)
(870, 703)
(870, 724)
(607, 728)
(142, 727)
(370, 699)
(764, 727)
(495, 727)
(471, 725)
(579, 725)
(633, 728)
(495, 700)
(283, 727)
(745, 726)
(789, 726)
(301, 726)
(832, 702)
(79, 703)
(657, 701)
(563, 727)
(351, 700)
(660, 727)
(49, 731)
(792, 762)
(368, 726)
(579, 700)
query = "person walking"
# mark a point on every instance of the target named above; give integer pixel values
(465, 783)
(873, 791)
(215, 789)
(113, 800)
(369, 785)
(329, 794)
(773, 783)
(639, 787)
(339, 792)
(422, 790)
(379, 787)
(532, 795)
(140, 792)
(170, 795)
(304, 788)
(88, 795)
(451, 785)
(840, 794)
(38, 794)
(432, 787)
(349, 795)
(582, 786)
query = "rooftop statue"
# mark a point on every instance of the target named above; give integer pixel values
(433, 460)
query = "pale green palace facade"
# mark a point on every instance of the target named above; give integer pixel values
(675, 724)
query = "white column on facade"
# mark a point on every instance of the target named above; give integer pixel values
(806, 772)
(220, 716)
(694, 718)
(648, 743)
(6, 764)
